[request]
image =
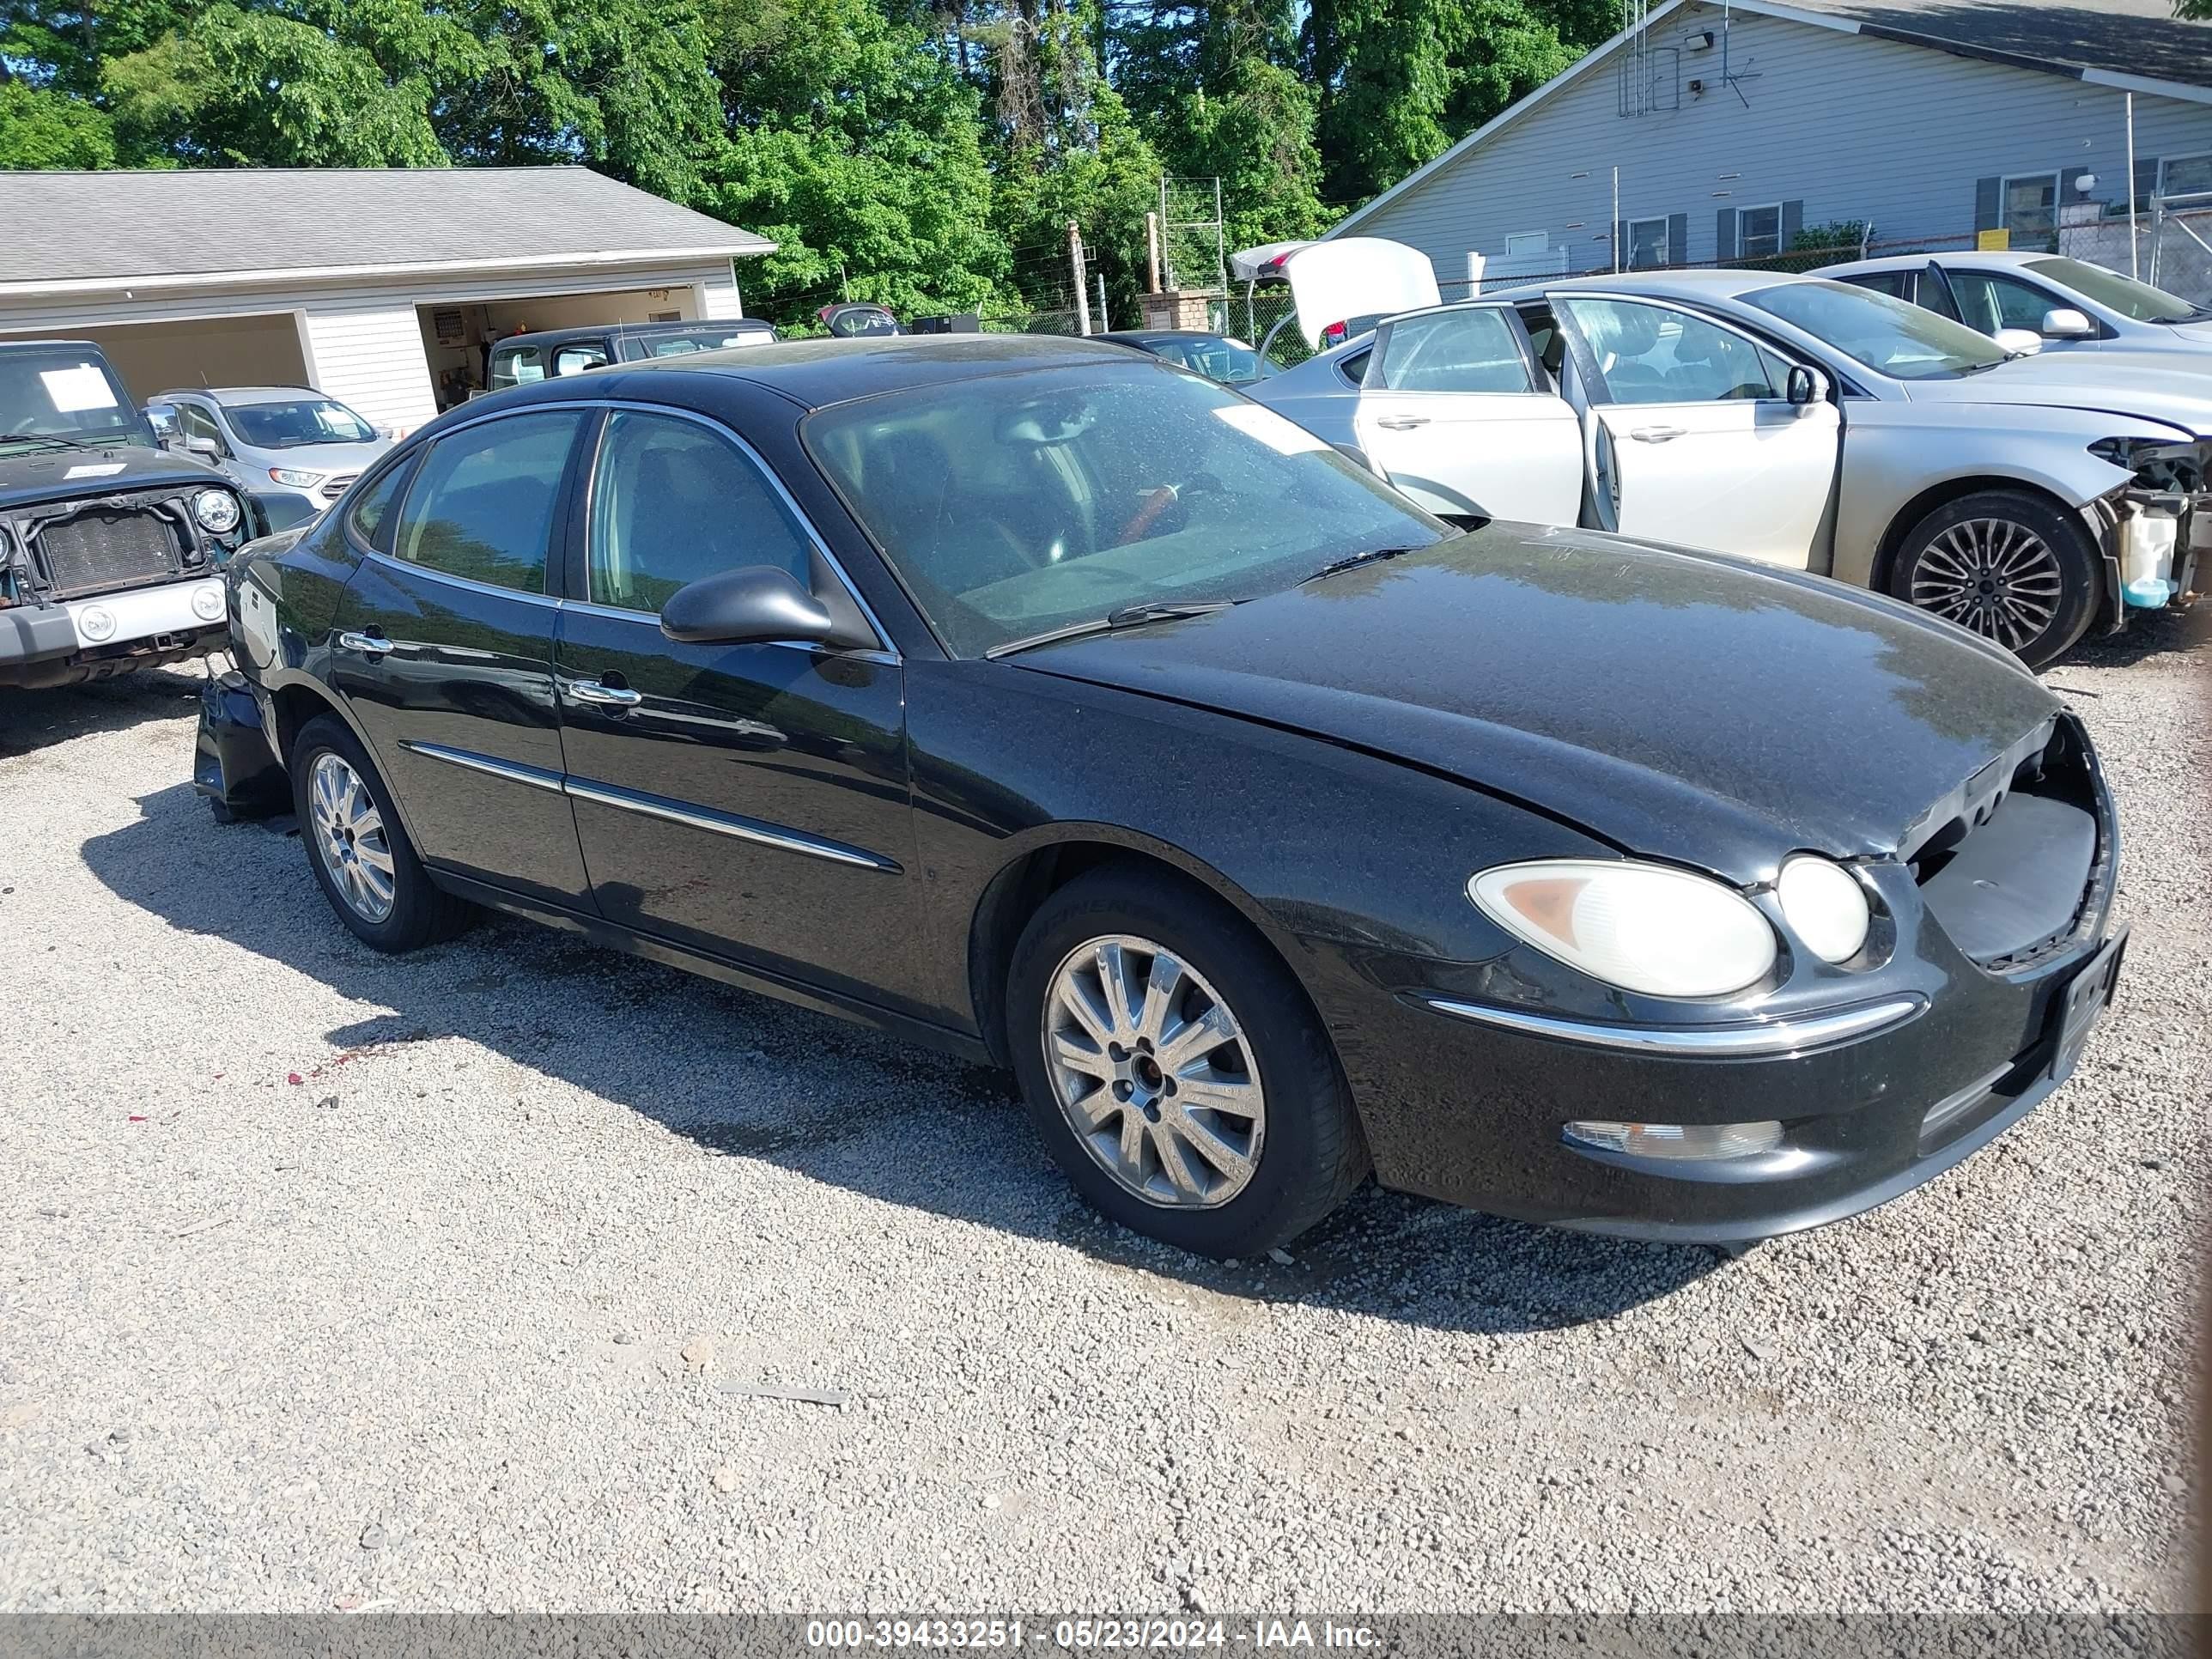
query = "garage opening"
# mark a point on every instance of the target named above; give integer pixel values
(457, 338)
(260, 349)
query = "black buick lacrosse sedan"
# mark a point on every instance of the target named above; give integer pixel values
(1053, 705)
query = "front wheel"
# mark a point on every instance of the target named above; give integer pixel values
(1174, 1069)
(2006, 565)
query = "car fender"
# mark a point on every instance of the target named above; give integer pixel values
(1894, 453)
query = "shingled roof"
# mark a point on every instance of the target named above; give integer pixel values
(89, 226)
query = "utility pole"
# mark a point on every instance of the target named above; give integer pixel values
(2134, 270)
(1618, 230)
(1105, 326)
(1153, 252)
(1075, 264)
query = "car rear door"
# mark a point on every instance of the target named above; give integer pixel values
(1689, 433)
(1453, 410)
(746, 800)
(445, 654)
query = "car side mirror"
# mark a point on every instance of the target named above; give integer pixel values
(206, 448)
(1807, 386)
(749, 605)
(2018, 342)
(2065, 322)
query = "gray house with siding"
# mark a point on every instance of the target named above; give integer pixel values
(1721, 130)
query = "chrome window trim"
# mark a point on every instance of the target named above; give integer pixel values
(1767, 1037)
(469, 760)
(468, 583)
(722, 823)
(884, 644)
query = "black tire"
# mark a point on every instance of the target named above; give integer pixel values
(1311, 1152)
(1929, 570)
(421, 912)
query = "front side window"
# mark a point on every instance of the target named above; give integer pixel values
(1758, 232)
(1887, 336)
(1989, 301)
(1015, 504)
(51, 395)
(483, 503)
(2031, 210)
(297, 422)
(2124, 295)
(1475, 350)
(1652, 355)
(1647, 244)
(674, 501)
(197, 423)
(516, 366)
(575, 359)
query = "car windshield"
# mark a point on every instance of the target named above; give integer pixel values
(1016, 505)
(2124, 295)
(63, 394)
(1886, 335)
(297, 422)
(1231, 362)
(704, 339)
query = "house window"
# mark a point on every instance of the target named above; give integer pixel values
(2030, 203)
(1647, 244)
(2185, 175)
(1758, 232)
(1525, 243)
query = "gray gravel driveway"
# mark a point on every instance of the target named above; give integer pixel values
(482, 1279)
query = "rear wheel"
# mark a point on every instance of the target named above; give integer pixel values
(2007, 565)
(360, 854)
(1174, 1069)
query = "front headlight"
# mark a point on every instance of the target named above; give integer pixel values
(1825, 905)
(296, 478)
(1641, 926)
(216, 510)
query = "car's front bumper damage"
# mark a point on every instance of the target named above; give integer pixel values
(233, 763)
(2155, 531)
(1476, 1082)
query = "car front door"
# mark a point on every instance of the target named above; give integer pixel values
(445, 654)
(1452, 408)
(746, 800)
(1690, 434)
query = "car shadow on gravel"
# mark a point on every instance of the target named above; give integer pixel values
(742, 1075)
(38, 720)
(2150, 633)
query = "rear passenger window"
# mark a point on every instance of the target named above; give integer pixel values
(672, 501)
(1474, 350)
(372, 509)
(483, 503)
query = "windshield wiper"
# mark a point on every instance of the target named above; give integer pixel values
(50, 437)
(1372, 555)
(1129, 615)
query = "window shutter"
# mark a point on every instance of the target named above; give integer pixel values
(1989, 203)
(1725, 245)
(1793, 220)
(2146, 181)
(1677, 239)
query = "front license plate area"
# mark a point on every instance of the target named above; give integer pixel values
(2086, 997)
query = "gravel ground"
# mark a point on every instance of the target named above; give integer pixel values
(333, 1281)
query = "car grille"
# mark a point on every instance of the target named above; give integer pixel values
(106, 549)
(334, 488)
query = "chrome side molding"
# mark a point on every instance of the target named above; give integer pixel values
(1752, 1038)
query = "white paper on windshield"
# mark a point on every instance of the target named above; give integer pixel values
(107, 469)
(79, 388)
(1283, 435)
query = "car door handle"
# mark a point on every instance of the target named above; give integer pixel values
(617, 697)
(369, 645)
(1655, 434)
(1402, 422)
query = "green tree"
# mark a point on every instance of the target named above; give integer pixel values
(41, 127)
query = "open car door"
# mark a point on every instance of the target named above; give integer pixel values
(1454, 409)
(1695, 433)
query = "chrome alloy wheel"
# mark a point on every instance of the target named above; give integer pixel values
(355, 849)
(1154, 1072)
(1993, 576)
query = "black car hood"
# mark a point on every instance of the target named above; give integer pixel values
(43, 474)
(1679, 705)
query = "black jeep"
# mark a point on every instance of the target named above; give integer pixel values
(109, 545)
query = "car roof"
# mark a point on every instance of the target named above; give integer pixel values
(231, 397)
(48, 345)
(1920, 261)
(819, 372)
(1138, 336)
(544, 337)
